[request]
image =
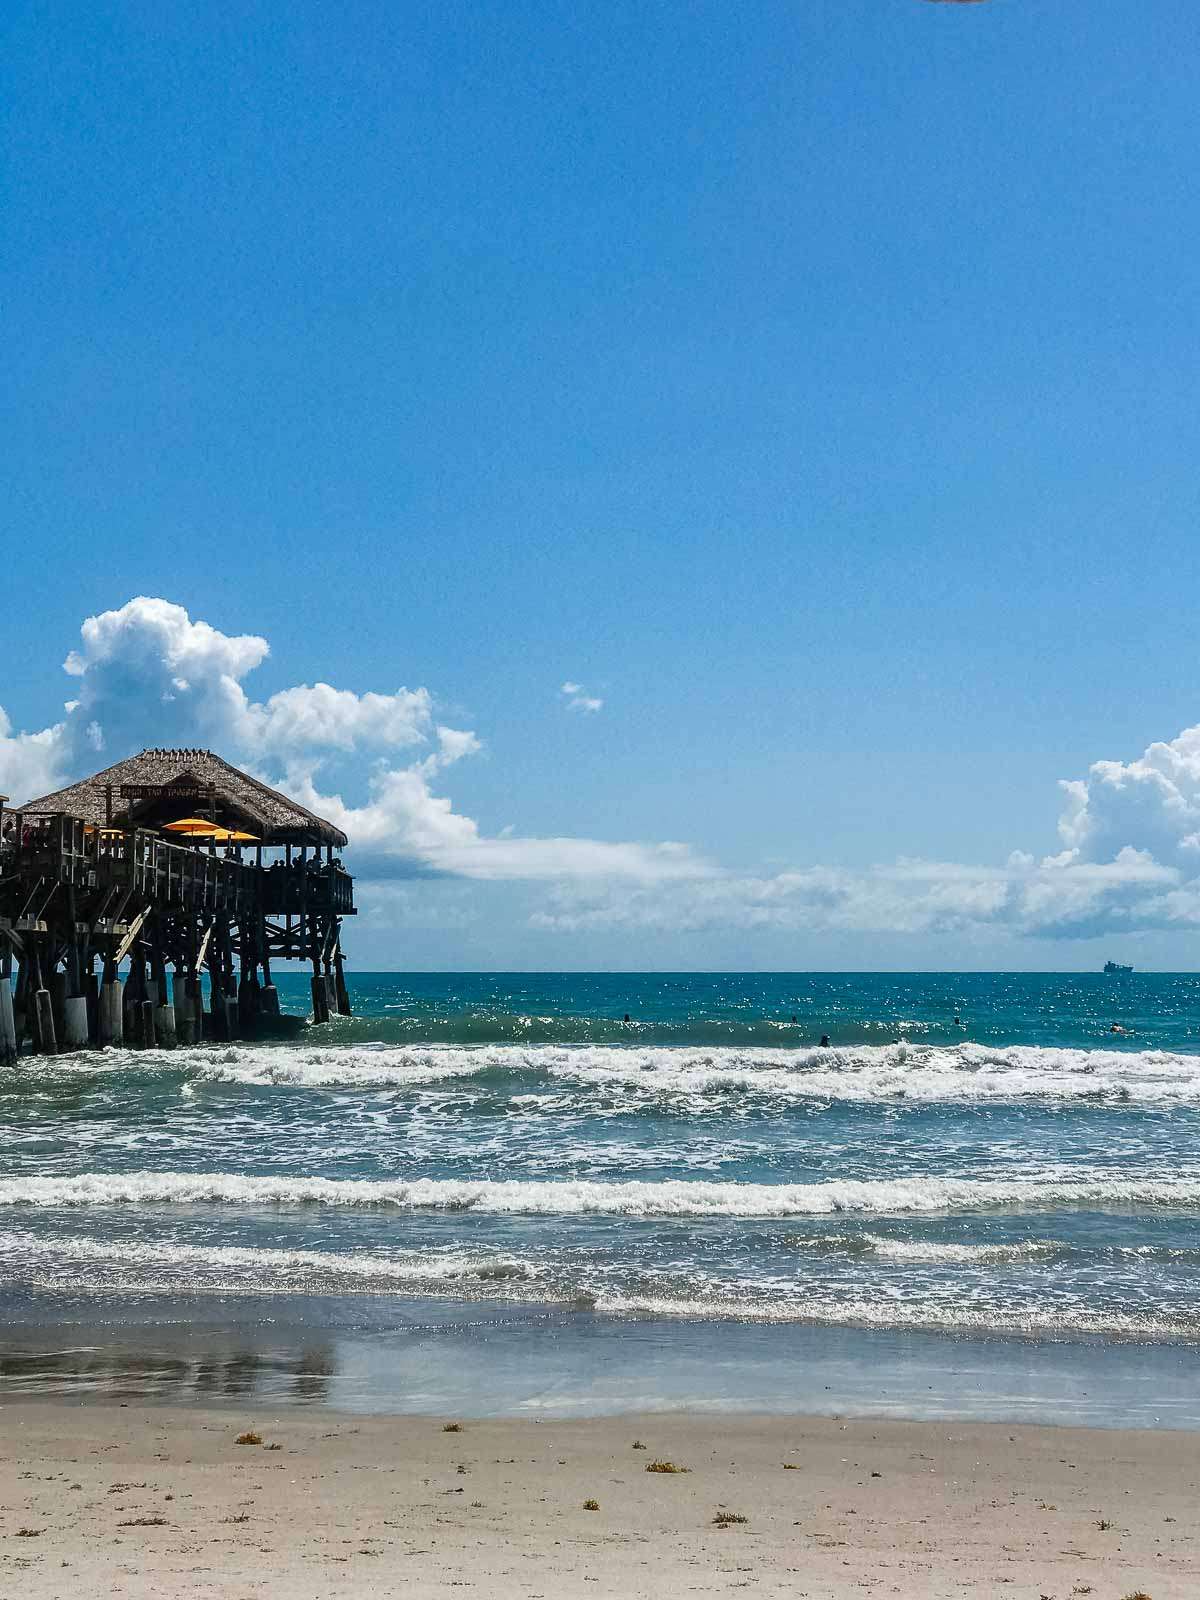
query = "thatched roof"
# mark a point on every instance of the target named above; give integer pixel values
(239, 798)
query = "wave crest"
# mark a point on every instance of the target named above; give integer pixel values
(1051, 1190)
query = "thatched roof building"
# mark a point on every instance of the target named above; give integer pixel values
(160, 786)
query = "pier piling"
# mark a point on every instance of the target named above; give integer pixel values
(8, 1026)
(43, 1011)
(75, 1023)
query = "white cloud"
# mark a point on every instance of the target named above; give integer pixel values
(30, 763)
(149, 666)
(1153, 802)
(577, 700)
(912, 897)
(148, 674)
(406, 829)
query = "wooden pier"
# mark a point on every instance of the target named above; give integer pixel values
(159, 868)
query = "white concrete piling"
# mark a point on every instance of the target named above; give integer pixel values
(112, 1014)
(8, 1025)
(75, 1023)
(164, 1027)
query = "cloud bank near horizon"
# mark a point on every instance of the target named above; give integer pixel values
(146, 673)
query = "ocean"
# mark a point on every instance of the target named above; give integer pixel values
(494, 1191)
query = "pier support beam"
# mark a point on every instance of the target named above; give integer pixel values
(247, 1004)
(164, 1027)
(8, 1025)
(75, 1023)
(145, 1035)
(184, 1009)
(43, 1011)
(339, 979)
(57, 985)
(112, 1012)
(92, 990)
(320, 998)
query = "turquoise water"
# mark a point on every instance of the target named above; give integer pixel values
(510, 1142)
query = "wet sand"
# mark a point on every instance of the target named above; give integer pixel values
(137, 1501)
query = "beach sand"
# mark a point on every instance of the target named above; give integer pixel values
(100, 1499)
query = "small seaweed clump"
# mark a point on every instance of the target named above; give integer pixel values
(452, 1427)
(249, 1437)
(728, 1519)
(144, 1522)
(638, 1445)
(665, 1466)
(591, 1505)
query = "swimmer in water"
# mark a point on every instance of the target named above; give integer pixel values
(824, 1041)
(625, 1018)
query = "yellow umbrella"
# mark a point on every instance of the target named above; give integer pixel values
(232, 836)
(191, 825)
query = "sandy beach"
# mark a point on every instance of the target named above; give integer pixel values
(136, 1501)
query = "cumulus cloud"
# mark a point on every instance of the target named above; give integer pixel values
(404, 829)
(577, 699)
(1153, 801)
(30, 763)
(147, 673)
(149, 665)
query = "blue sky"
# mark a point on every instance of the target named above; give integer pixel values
(814, 384)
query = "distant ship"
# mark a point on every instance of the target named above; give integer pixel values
(1114, 969)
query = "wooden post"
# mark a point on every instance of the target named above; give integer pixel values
(216, 984)
(339, 975)
(44, 1012)
(74, 960)
(43, 1009)
(92, 989)
(304, 939)
(320, 995)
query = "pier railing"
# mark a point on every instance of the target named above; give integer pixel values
(304, 886)
(61, 850)
(45, 852)
(173, 876)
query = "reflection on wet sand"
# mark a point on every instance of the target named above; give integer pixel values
(143, 1374)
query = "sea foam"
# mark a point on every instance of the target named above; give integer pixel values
(639, 1075)
(1064, 1188)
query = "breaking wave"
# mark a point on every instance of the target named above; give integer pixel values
(1047, 1191)
(637, 1075)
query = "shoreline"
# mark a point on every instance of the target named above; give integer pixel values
(365, 1355)
(139, 1501)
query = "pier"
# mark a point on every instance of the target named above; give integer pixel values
(162, 867)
